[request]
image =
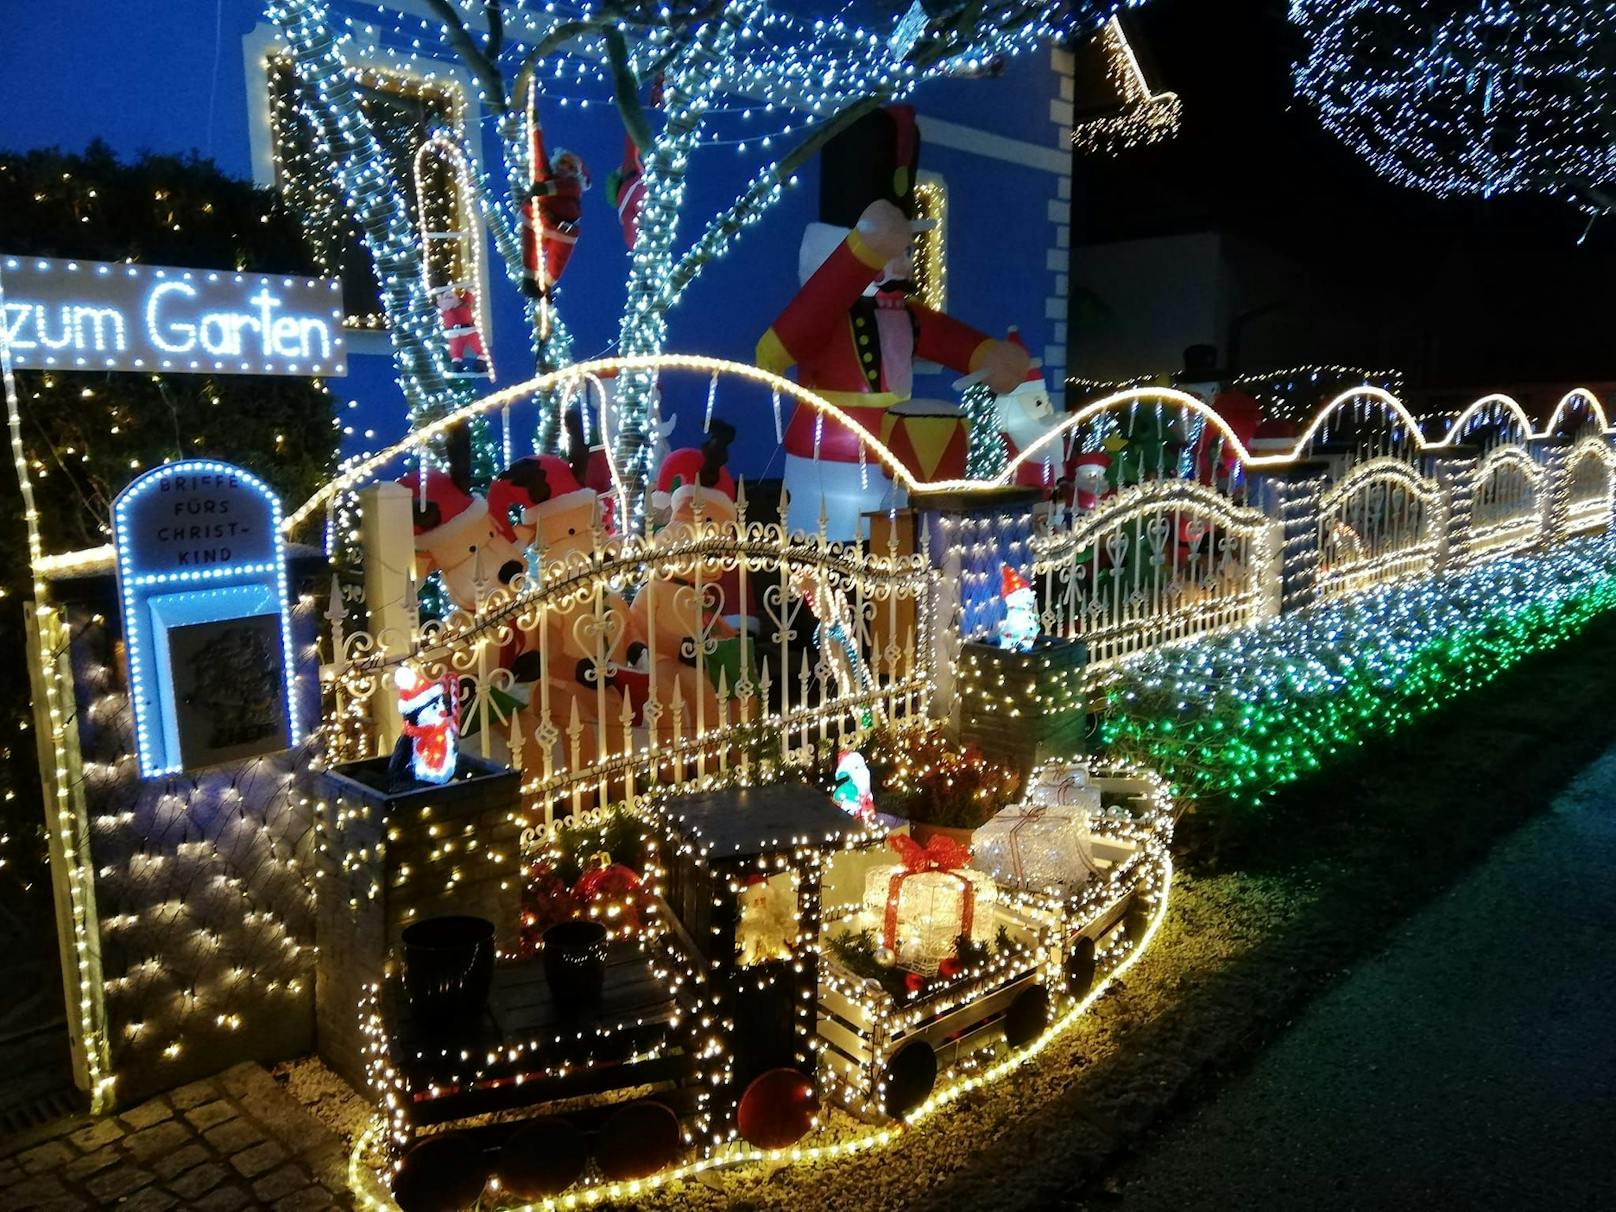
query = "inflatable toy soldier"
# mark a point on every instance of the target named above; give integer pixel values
(854, 334)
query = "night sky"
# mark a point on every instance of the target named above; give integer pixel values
(1456, 292)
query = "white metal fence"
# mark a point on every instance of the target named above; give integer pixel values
(1588, 486)
(716, 643)
(1504, 507)
(665, 659)
(1166, 560)
(1381, 522)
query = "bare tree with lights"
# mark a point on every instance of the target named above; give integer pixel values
(825, 74)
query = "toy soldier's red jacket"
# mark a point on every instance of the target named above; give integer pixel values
(859, 353)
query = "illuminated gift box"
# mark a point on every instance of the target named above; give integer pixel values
(1039, 845)
(921, 904)
(1063, 784)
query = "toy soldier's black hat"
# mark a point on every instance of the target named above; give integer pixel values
(876, 157)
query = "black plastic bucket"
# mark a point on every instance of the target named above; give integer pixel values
(575, 964)
(448, 967)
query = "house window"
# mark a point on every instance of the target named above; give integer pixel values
(405, 111)
(931, 247)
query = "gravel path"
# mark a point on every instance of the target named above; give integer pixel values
(1471, 1064)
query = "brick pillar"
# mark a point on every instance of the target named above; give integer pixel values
(385, 861)
(1290, 496)
(1454, 470)
(387, 535)
(1554, 500)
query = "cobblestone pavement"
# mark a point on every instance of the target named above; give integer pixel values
(231, 1142)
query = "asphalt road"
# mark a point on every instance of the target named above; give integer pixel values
(1470, 1065)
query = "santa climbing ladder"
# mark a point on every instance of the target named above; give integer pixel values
(551, 212)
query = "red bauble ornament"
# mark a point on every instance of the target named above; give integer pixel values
(542, 1158)
(637, 1140)
(777, 1110)
(609, 893)
(546, 901)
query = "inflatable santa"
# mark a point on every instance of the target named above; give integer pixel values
(855, 334)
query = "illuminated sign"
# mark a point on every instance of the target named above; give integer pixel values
(95, 315)
(202, 582)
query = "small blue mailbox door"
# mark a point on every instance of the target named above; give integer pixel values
(207, 631)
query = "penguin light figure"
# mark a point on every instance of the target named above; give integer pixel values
(1020, 625)
(852, 791)
(429, 745)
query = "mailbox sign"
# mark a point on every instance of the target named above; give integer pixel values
(96, 315)
(207, 630)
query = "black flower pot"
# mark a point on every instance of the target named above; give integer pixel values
(448, 967)
(575, 964)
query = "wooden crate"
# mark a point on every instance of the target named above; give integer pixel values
(956, 1022)
(861, 1036)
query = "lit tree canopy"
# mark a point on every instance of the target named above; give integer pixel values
(1481, 97)
(775, 75)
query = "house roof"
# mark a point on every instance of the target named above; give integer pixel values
(1114, 106)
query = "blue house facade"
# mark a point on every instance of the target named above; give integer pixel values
(190, 76)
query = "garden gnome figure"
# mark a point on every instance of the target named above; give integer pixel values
(1088, 479)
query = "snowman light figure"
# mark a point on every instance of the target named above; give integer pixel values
(1019, 628)
(852, 791)
(428, 747)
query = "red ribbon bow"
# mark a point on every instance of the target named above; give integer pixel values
(942, 854)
